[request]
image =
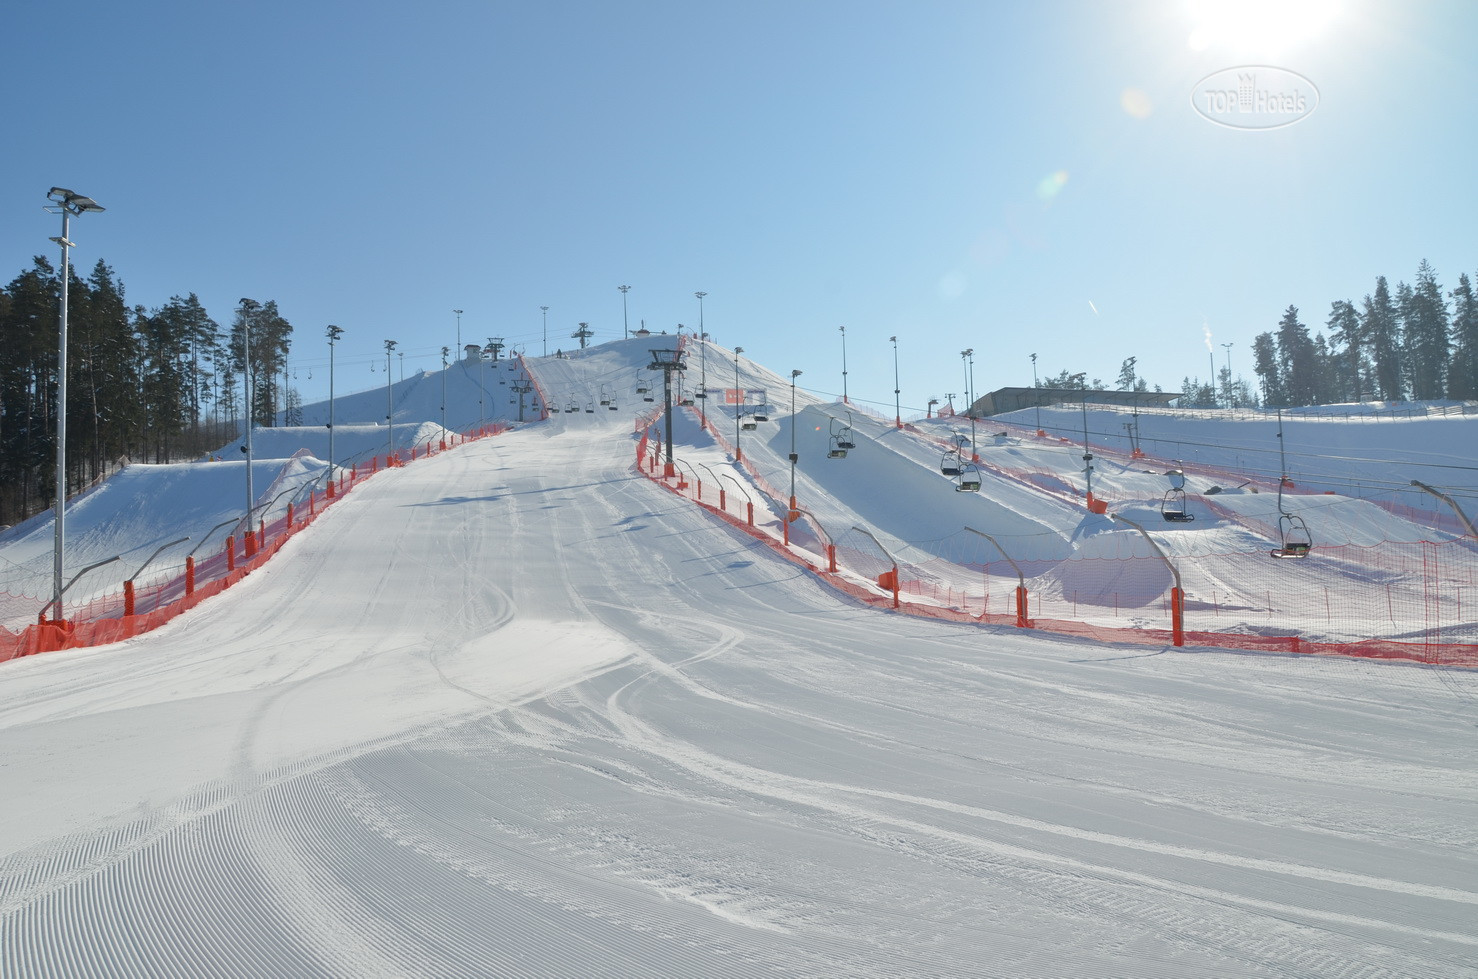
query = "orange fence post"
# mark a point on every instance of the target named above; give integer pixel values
(330, 491)
(289, 516)
(190, 574)
(231, 553)
(1021, 603)
(749, 505)
(251, 543)
(831, 557)
(1177, 616)
(128, 598)
(722, 501)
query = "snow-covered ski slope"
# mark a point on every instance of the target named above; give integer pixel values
(518, 710)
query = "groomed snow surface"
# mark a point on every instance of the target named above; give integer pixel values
(517, 710)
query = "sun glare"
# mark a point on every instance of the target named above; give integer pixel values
(1258, 27)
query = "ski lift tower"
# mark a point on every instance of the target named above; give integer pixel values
(666, 361)
(583, 334)
(495, 346)
(523, 388)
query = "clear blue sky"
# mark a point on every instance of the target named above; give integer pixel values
(1013, 178)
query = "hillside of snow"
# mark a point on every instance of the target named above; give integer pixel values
(517, 709)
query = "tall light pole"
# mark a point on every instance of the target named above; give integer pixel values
(1082, 379)
(334, 333)
(389, 400)
(459, 331)
(1037, 395)
(973, 394)
(702, 362)
(738, 405)
(1228, 348)
(968, 400)
(68, 203)
(843, 330)
(793, 375)
(444, 352)
(248, 306)
(897, 408)
(625, 328)
(545, 311)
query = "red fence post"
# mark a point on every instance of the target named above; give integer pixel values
(831, 558)
(1021, 600)
(231, 553)
(1177, 616)
(330, 492)
(190, 574)
(722, 502)
(128, 598)
(251, 543)
(749, 505)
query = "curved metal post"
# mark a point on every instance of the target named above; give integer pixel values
(1177, 594)
(1022, 621)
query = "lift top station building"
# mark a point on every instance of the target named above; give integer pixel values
(1002, 400)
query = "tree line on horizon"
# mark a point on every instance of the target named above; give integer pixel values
(1417, 343)
(158, 384)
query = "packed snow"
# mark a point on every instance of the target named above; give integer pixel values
(517, 709)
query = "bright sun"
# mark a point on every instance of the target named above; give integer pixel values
(1258, 27)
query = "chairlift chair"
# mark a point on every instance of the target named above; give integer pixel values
(590, 407)
(950, 464)
(1172, 506)
(1295, 536)
(843, 436)
(762, 413)
(968, 479)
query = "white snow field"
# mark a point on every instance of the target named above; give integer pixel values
(518, 710)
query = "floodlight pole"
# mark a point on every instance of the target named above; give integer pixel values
(738, 405)
(444, 352)
(1037, 395)
(702, 362)
(1228, 348)
(389, 401)
(545, 311)
(334, 333)
(897, 408)
(1082, 379)
(625, 326)
(843, 330)
(793, 457)
(459, 328)
(69, 203)
(247, 307)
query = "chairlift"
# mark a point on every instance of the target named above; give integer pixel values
(950, 464)
(968, 479)
(1172, 506)
(605, 396)
(611, 405)
(1293, 533)
(841, 439)
(571, 408)
(590, 407)
(763, 414)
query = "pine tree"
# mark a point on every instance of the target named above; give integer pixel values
(1346, 341)
(1266, 366)
(1424, 318)
(1127, 376)
(1462, 378)
(1296, 351)
(1382, 333)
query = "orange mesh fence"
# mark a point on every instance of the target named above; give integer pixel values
(1413, 601)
